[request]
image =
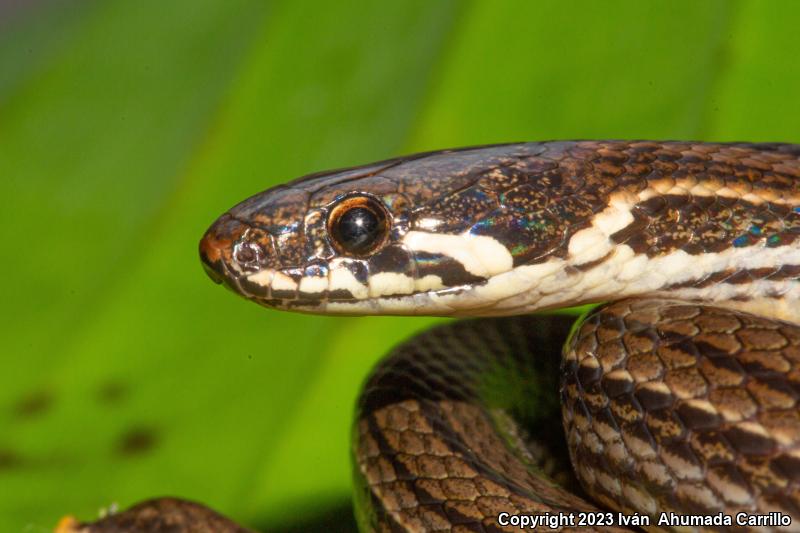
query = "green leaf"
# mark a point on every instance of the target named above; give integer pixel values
(127, 127)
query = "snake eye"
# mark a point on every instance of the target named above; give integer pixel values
(358, 225)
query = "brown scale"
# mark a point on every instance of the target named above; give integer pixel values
(725, 414)
(524, 198)
(528, 235)
(160, 515)
(700, 225)
(473, 202)
(428, 447)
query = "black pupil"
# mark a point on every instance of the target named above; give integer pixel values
(358, 230)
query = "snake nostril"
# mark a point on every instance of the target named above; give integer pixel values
(248, 254)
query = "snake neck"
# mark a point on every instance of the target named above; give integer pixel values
(658, 243)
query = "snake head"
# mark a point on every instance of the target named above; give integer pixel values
(404, 236)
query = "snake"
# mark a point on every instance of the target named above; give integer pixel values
(671, 404)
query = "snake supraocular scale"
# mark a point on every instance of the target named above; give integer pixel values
(680, 396)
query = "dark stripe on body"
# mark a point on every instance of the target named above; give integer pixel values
(699, 225)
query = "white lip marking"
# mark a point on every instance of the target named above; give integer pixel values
(313, 284)
(360, 307)
(282, 282)
(479, 255)
(431, 282)
(389, 283)
(340, 277)
(262, 277)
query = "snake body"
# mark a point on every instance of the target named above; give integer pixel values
(680, 396)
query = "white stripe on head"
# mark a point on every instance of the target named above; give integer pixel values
(480, 255)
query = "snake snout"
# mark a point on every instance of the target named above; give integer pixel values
(216, 245)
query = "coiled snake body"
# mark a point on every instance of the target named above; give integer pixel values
(679, 399)
(681, 396)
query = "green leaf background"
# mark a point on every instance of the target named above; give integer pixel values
(126, 127)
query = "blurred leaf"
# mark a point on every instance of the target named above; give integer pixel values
(127, 127)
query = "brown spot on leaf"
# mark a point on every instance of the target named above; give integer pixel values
(34, 404)
(9, 459)
(137, 440)
(112, 392)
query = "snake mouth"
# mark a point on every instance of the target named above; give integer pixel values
(215, 275)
